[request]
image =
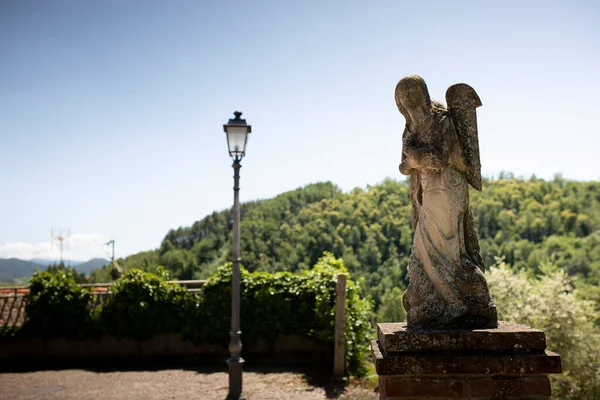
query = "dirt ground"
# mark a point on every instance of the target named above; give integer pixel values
(164, 384)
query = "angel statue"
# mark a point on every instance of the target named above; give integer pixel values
(440, 152)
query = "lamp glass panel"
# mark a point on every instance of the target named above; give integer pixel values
(236, 139)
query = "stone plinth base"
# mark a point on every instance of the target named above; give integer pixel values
(509, 362)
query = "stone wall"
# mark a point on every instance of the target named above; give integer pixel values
(291, 348)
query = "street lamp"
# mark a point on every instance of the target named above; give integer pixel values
(237, 136)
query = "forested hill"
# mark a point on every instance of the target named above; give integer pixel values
(528, 222)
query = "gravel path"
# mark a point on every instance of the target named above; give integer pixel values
(180, 384)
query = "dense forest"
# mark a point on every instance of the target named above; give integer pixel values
(526, 223)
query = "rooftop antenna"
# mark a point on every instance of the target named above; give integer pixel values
(61, 239)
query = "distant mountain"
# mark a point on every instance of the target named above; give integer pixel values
(88, 266)
(45, 262)
(14, 269)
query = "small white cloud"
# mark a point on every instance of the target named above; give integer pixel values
(77, 247)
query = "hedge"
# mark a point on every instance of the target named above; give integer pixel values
(143, 305)
(57, 306)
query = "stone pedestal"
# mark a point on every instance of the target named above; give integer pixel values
(509, 362)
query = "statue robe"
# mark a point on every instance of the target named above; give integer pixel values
(447, 287)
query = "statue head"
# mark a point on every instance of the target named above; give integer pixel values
(412, 99)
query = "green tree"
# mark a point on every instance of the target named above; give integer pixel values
(526, 222)
(547, 302)
(60, 268)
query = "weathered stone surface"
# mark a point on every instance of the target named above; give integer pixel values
(397, 338)
(399, 387)
(507, 387)
(428, 387)
(509, 362)
(452, 363)
(440, 152)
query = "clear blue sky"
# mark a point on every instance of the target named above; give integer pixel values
(111, 112)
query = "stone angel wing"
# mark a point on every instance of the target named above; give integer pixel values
(462, 102)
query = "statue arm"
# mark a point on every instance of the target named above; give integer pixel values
(407, 164)
(415, 156)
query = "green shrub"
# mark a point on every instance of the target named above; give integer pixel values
(283, 304)
(548, 303)
(144, 305)
(8, 331)
(57, 306)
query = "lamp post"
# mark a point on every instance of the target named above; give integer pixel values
(237, 136)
